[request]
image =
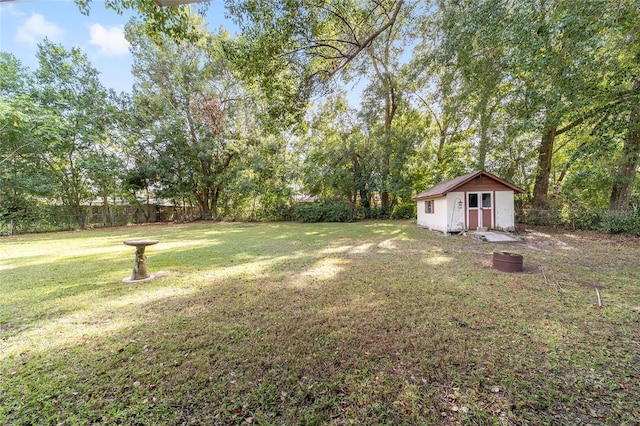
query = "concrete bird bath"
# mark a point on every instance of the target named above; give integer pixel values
(139, 267)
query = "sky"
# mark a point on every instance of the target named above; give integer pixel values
(23, 24)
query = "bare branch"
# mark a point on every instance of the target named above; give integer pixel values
(367, 42)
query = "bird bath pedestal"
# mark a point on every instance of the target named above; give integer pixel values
(139, 267)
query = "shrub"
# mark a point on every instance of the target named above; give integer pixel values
(336, 211)
(359, 213)
(575, 218)
(621, 222)
(307, 212)
(404, 211)
(543, 217)
(376, 213)
(607, 221)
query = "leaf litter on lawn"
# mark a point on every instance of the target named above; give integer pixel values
(364, 323)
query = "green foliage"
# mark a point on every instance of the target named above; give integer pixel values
(15, 210)
(15, 77)
(68, 86)
(373, 212)
(23, 127)
(498, 77)
(581, 218)
(50, 123)
(291, 49)
(406, 210)
(615, 222)
(260, 186)
(612, 222)
(308, 212)
(335, 211)
(539, 217)
(338, 211)
(227, 124)
(200, 117)
(174, 21)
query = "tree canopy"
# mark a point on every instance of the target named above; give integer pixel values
(544, 94)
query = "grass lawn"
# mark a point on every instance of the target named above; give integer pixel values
(285, 323)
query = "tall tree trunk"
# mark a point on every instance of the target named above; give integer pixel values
(390, 112)
(483, 143)
(203, 196)
(384, 200)
(625, 177)
(545, 154)
(359, 183)
(381, 67)
(105, 210)
(440, 163)
(364, 199)
(543, 171)
(483, 146)
(214, 202)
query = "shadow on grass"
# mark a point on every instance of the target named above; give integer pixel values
(366, 327)
(53, 284)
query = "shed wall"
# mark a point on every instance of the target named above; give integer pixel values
(438, 219)
(505, 210)
(448, 214)
(455, 212)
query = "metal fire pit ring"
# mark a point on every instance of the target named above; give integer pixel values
(507, 262)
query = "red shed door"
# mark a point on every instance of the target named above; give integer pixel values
(472, 210)
(479, 210)
(486, 204)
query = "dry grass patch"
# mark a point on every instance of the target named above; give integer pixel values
(365, 323)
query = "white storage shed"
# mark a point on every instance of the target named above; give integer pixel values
(475, 201)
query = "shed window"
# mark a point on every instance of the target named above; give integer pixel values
(429, 206)
(473, 201)
(486, 201)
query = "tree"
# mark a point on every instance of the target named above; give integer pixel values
(626, 42)
(436, 90)
(383, 54)
(561, 59)
(303, 31)
(471, 44)
(15, 77)
(294, 48)
(174, 22)
(262, 181)
(630, 159)
(51, 120)
(336, 156)
(199, 116)
(24, 126)
(67, 85)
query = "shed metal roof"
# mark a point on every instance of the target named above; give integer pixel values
(450, 185)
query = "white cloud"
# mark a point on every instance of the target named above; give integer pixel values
(110, 40)
(35, 28)
(11, 10)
